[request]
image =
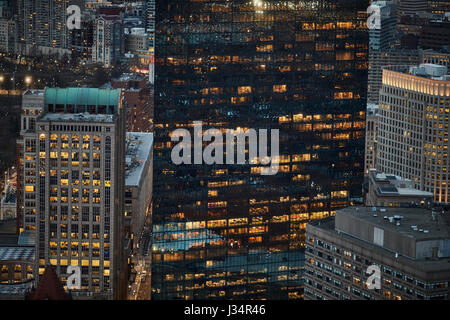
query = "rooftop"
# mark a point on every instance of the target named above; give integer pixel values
(376, 252)
(78, 117)
(392, 185)
(139, 146)
(415, 223)
(130, 77)
(82, 97)
(34, 93)
(425, 70)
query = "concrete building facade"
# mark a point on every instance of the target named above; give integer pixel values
(74, 147)
(413, 131)
(406, 251)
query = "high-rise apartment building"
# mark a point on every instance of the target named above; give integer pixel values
(226, 231)
(414, 126)
(7, 35)
(32, 108)
(42, 24)
(370, 253)
(73, 185)
(108, 40)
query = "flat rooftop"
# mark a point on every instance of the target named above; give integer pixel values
(394, 191)
(130, 77)
(139, 145)
(30, 92)
(77, 117)
(376, 252)
(392, 185)
(416, 223)
(425, 70)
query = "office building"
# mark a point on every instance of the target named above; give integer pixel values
(138, 183)
(408, 246)
(82, 40)
(436, 35)
(370, 155)
(435, 57)
(389, 57)
(382, 36)
(413, 129)
(32, 108)
(226, 231)
(73, 185)
(387, 190)
(412, 7)
(439, 6)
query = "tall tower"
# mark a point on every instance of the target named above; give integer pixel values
(414, 126)
(74, 146)
(42, 23)
(226, 231)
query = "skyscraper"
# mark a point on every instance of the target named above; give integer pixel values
(413, 129)
(73, 185)
(226, 231)
(108, 40)
(42, 23)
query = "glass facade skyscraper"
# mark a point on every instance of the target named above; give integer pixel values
(226, 231)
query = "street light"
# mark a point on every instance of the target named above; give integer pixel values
(28, 80)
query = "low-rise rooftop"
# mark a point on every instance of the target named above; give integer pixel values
(77, 117)
(414, 223)
(139, 145)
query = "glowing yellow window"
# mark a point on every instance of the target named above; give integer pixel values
(279, 88)
(244, 90)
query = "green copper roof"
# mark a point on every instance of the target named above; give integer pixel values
(83, 97)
